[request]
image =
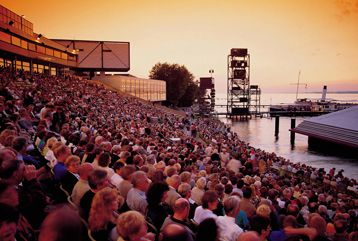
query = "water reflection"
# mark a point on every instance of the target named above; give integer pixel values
(260, 133)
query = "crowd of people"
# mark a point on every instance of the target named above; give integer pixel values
(81, 162)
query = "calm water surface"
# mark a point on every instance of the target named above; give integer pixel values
(259, 132)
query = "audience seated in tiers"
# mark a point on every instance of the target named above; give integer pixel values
(106, 150)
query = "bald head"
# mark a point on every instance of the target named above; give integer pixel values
(180, 204)
(84, 170)
(249, 236)
(175, 232)
(57, 228)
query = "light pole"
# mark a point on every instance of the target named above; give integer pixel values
(211, 71)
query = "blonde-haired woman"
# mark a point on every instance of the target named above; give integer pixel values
(131, 226)
(51, 144)
(103, 214)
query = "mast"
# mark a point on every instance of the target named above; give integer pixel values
(298, 83)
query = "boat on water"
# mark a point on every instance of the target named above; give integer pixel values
(309, 107)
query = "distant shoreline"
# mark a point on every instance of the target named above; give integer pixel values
(319, 92)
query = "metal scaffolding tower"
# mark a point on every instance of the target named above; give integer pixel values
(238, 83)
(207, 100)
(255, 100)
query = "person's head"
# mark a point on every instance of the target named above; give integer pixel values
(175, 232)
(207, 230)
(127, 172)
(124, 155)
(220, 188)
(340, 226)
(12, 170)
(19, 144)
(289, 221)
(287, 193)
(247, 192)
(6, 154)
(72, 163)
(62, 224)
(157, 193)
(98, 140)
(8, 194)
(138, 160)
(85, 170)
(322, 210)
(210, 200)
(292, 209)
(174, 181)
(353, 236)
(181, 208)
(51, 142)
(104, 203)
(9, 219)
(105, 146)
(184, 190)
(232, 206)
(263, 210)
(117, 167)
(261, 225)
(185, 177)
(62, 152)
(318, 223)
(131, 226)
(4, 134)
(104, 159)
(201, 183)
(249, 236)
(98, 179)
(140, 181)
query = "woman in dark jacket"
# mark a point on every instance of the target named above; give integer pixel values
(158, 210)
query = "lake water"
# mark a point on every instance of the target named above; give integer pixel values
(259, 132)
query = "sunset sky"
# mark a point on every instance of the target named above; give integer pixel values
(318, 37)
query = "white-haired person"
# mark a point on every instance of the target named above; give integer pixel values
(198, 191)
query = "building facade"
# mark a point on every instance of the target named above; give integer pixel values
(22, 49)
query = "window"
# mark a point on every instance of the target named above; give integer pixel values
(5, 37)
(40, 49)
(15, 41)
(23, 44)
(40, 68)
(34, 68)
(18, 64)
(49, 51)
(8, 63)
(64, 56)
(53, 71)
(32, 47)
(26, 66)
(57, 54)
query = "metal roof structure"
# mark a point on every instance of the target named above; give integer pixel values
(339, 127)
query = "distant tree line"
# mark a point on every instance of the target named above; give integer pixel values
(181, 88)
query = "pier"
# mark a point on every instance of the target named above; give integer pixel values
(264, 111)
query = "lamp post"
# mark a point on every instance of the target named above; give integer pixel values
(211, 71)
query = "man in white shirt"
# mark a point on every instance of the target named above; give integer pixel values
(136, 197)
(116, 178)
(228, 229)
(210, 202)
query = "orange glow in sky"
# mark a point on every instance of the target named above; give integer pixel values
(318, 37)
